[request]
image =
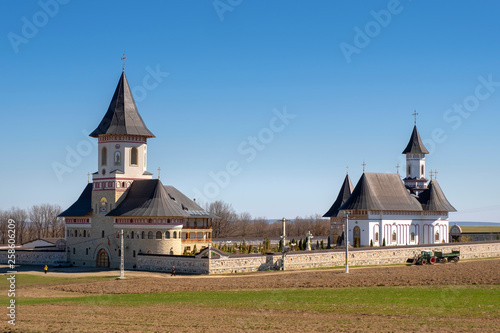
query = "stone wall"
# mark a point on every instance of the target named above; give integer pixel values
(30, 257)
(311, 259)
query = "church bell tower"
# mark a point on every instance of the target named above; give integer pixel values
(415, 153)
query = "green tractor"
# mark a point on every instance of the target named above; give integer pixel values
(429, 258)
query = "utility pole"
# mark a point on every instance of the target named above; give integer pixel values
(346, 236)
(209, 255)
(122, 261)
(283, 239)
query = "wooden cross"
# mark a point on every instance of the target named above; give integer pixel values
(123, 59)
(159, 169)
(415, 114)
(364, 164)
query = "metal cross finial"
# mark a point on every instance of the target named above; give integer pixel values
(435, 174)
(159, 169)
(364, 164)
(347, 170)
(88, 177)
(415, 114)
(431, 173)
(123, 59)
(397, 168)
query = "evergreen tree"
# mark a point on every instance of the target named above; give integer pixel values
(371, 242)
(194, 249)
(250, 250)
(300, 244)
(322, 245)
(317, 244)
(280, 246)
(329, 245)
(383, 242)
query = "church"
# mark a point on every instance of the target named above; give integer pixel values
(155, 218)
(384, 210)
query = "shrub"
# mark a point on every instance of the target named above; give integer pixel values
(383, 242)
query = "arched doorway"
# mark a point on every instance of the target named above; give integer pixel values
(356, 234)
(102, 258)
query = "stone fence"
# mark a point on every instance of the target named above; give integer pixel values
(33, 257)
(222, 263)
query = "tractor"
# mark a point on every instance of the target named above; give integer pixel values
(429, 258)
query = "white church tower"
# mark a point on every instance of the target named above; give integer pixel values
(415, 162)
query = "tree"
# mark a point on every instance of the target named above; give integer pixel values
(280, 246)
(322, 245)
(329, 245)
(383, 241)
(224, 225)
(371, 242)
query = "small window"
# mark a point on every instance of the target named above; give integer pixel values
(133, 253)
(132, 234)
(437, 237)
(158, 235)
(422, 170)
(102, 234)
(412, 236)
(119, 253)
(175, 234)
(394, 236)
(87, 251)
(376, 237)
(133, 156)
(104, 156)
(84, 233)
(150, 235)
(167, 234)
(73, 250)
(143, 235)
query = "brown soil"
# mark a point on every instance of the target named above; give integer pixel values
(167, 318)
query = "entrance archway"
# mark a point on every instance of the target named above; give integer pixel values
(356, 233)
(102, 258)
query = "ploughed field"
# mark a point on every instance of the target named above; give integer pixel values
(462, 297)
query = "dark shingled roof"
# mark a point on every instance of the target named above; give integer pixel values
(122, 116)
(191, 207)
(344, 194)
(415, 146)
(148, 198)
(433, 199)
(381, 191)
(82, 206)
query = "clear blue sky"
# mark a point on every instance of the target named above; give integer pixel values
(229, 65)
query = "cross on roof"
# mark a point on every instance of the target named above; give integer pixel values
(88, 177)
(123, 59)
(159, 169)
(415, 114)
(347, 170)
(431, 173)
(364, 164)
(435, 174)
(397, 168)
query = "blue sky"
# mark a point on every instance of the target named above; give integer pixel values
(348, 74)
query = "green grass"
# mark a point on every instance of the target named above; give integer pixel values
(25, 280)
(442, 301)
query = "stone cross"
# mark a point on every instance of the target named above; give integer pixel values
(308, 244)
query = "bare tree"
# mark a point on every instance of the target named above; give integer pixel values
(45, 220)
(225, 223)
(21, 218)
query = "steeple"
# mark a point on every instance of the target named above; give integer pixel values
(344, 194)
(415, 162)
(122, 116)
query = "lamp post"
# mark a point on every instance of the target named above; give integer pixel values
(346, 236)
(283, 244)
(122, 261)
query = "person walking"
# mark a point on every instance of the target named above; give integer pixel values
(173, 271)
(46, 268)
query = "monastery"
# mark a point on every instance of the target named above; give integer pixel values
(156, 218)
(384, 210)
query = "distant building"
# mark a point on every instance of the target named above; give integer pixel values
(474, 234)
(156, 219)
(384, 208)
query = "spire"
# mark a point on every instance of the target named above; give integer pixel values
(122, 116)
(344, 194)
(415, 146)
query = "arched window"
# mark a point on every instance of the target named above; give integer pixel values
(150, 235)
(376, 237)
(87, 251)
(133, 156)
(422, 170)
(132, 234)
(409, 170)
(175, 234)
(104, 156)
(167, 234)
(437, 236)
(158, 235)
(412, 237)
(393, 236)
(143, 235)
(84, 233)
(133, 253)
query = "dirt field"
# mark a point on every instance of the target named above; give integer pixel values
(168, 318)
